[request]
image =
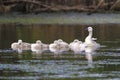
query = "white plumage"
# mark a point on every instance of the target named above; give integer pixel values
(90, 43)
(39, 47)
(76, 46)
(59, 46)
(20, 45)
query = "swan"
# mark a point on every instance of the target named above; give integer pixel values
(63, 45)
(54, 44)
(59, 46)
(76, 46)
(16, 45)
(20, 45)
(54, 47)
(90, 43)
(72, 46)
(39, 47)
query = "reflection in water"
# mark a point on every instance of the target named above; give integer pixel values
(49, 65)
(90, 59)
(40, 51)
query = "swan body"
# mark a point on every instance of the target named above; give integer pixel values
(76, 46)
(20, 45)
(72, 44)
(16, 45)
(63, 45)
(58, 46)
(90, 43)
(39, 47)
(54, 47)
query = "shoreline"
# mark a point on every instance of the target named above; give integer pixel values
(61, 18)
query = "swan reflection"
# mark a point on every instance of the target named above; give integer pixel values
(89, 57)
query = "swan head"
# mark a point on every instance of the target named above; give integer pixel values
(19, 41)
(90, 28)
(60, 40)
(76, 40)
(55, 41)
(38, 42)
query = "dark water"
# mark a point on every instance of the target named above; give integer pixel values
(101, 65)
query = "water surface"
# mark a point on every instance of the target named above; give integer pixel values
(101, 65)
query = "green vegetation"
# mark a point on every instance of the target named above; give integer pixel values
(60, 18)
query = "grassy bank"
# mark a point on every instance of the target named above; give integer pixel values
(61, 18)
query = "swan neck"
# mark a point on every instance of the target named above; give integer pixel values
(90, 33)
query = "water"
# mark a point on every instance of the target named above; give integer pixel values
(101, 65)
